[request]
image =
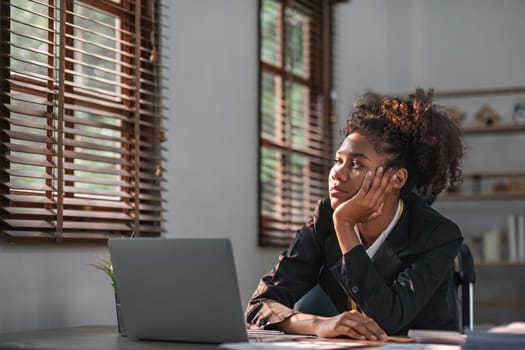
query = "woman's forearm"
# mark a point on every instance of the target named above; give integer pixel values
(300, 324)
(345, 235)
(353, 324)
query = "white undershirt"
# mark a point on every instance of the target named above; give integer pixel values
(374, 247)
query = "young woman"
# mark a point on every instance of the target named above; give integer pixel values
(376, 247)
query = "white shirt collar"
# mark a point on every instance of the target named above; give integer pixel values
(374, 247)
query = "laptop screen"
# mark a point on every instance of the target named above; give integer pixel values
(178, 289)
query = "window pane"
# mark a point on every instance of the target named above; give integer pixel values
(30, 144)
(299, 188)
(100, 136)
(96, 49)
(270, 39)
(29, 35)
(296, 48)
(297, 113)
(270, 180)
(270, 105)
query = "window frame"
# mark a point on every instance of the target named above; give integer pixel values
(318, 79)
(137, 202)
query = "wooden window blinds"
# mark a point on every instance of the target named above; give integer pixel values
(294, 114)
(81, 128)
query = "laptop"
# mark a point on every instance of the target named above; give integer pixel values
(177, 289)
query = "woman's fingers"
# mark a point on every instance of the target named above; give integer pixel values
(382, 188)
(353, 324)
(360, 324)
(348, 331)
(376, 182)
(373, 191)
(368, 202)
(369, 185)
(366, 184)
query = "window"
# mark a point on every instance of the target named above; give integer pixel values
(294, 114)
(80, 143)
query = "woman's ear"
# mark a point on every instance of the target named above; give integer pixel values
(401, 176)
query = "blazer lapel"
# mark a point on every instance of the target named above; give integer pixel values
(387, 258)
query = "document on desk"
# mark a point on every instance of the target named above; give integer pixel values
(328, 345)
(268, 339)
(437, 336)
(265, 335)
(292, 345)
(418, 346)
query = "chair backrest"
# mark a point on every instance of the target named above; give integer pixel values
(317, 302)
(464, 279)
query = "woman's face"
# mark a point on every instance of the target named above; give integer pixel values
(353, 159)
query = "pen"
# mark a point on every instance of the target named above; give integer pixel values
(264, 331)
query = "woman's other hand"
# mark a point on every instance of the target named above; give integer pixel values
(352, 324)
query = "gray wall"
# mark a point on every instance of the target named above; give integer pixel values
(212, 138)
(396, 46)
(212, 128)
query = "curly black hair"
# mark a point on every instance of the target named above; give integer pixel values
(416, 134)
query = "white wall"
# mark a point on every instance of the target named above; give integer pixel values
(211, 175)
(212, 132)
(396, 46)
(48, 286)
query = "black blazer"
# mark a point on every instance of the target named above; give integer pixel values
(407, 285)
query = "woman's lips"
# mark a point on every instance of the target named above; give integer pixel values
(336, 191)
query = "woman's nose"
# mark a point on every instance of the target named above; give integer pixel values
(339, 172)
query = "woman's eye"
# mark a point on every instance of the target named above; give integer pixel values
(338, 160)
(356, 164)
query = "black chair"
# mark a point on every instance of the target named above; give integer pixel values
(464, 279)
(317, 302)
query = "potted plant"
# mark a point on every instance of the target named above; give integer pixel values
(104, 264)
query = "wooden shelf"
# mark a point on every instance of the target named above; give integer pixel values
(493, 175)
(474, 130)
(496, 129)
(503, 263)
(504, 90)
(481, 196)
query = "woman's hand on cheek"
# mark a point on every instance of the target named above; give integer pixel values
(368, 202)
(353, 324)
